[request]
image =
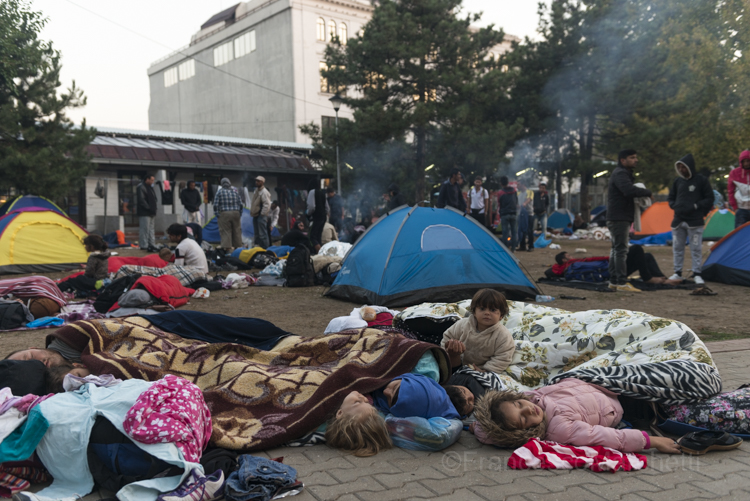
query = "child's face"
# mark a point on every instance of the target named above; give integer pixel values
(487, 316)
(522, 414)
(469, 396)
(355, 405)
(80, 372)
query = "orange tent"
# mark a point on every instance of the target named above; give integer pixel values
(656, 219)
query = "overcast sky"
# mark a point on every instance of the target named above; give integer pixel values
(107, 45)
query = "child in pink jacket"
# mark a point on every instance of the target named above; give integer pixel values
(569, 412)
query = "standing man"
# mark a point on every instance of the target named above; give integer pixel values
(228, 210)
(317, 210)
(393, 197)
(259, 209)
(191, 200)
(525, 218)
(336, 204)
(450, 192)
(146, 211)
(479, 202)
(738, 190)
(691, 198)
(621, 195)
(541, 207)
(507, 202)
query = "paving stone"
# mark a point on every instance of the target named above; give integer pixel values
(399, 479)
(319, 453)
(570, 494)
(333, 492)
(459, 495)
(334, 463)
(632, 497)
(682, 492)
(349, 474)
(388, 455)
(575, 478)
(720, 468)
(724, 486)
(629, 484)
(521, 486)
(318, 478)
(411, 489)
(675, 478)
(305, 495)
(292, 456)
(469, 479)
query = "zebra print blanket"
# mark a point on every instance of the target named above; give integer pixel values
(670, 383)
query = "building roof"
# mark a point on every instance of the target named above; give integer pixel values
(158, 149)
(224, 15)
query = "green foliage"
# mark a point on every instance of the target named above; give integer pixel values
(423, 91)
(40, 150)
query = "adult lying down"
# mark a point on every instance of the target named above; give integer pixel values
(258, 399)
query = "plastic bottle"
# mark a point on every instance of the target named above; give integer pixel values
(544, 299)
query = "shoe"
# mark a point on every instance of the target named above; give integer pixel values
(698, 279)
(698, 443)
(530, 249)
(676, 276)
(612, 286)
(627, 288)
(198, 488)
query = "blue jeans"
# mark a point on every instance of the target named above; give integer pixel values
(257, 478)
(619, 232)
(509, 226)
(543, 219)
(741, 217)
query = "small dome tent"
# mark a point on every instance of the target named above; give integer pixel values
(729, 261)
(24, 202)
(38, 240)
(656, 219)
(413, 255)
(211, 228)
(719, 223)
(560, 219)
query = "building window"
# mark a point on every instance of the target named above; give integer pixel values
(187, 69)
(331, 29)
(327, 122)
(343, 33)
(321, 29)
(325, 86)
(170, 77)
(244, 44)
(223, 54)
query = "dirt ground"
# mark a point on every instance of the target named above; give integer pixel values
(306, 311)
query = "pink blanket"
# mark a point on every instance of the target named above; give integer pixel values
(551, 455)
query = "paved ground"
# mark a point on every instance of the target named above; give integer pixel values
(470, 471)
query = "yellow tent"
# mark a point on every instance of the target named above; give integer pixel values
(38, 240)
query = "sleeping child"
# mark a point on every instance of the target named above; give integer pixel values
(480, 339)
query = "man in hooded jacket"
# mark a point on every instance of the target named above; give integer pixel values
(691, 198)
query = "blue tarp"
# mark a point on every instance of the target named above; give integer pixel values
(211, 229)
(423, 254)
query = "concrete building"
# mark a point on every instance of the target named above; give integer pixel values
(122, 158)
(253, 70)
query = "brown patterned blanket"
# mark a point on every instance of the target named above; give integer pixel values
(258, 399)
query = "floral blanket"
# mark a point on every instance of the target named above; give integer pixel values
(600, 346)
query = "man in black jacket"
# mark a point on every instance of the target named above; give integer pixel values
(507, 203)
(191, 200)
(541, 206)
(691, 198)
(450, 192)
(146, 211)
(621, 195)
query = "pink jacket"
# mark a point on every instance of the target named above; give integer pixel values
(738, 185)
(581, 414)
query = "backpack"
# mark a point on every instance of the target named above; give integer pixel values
(109, 295)
(299, 268)
(588, 271)
(262, 259)
(12, 315)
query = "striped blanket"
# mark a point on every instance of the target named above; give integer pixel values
(187, 275)
(553, 456)
(30, 287)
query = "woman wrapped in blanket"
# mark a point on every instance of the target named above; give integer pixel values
(359, 425)
(569, 412)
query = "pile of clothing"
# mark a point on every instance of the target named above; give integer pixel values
(30, 302)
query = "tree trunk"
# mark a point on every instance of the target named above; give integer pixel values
(419, 166)
(558, 174)
(587, 155)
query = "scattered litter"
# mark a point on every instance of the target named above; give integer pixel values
(202, 293)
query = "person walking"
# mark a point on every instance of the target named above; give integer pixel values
(228, 210)
(479, 202)
(146, 212)
(738, 190)
(317, 210)
(450, 192)
(691, 198)
(541, 206)
(260, 207)
(507, 202)
(336, 204)
(621, 195)
(191, 200)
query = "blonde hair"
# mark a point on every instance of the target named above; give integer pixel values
(494, 421)
(364, 435)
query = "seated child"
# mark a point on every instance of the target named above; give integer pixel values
(480, 339)
(97, 266)
(569, 412)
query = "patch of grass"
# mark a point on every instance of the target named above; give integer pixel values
(708, 336)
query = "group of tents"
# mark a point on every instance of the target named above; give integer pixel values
(410, 255)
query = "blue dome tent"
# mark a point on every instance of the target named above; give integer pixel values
(729, 261)
(560, 218)
(211, 228)
(413, 255)
(27, 201)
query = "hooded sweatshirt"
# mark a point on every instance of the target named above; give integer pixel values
(507, 201)
(691, 196)
(582, 414)
(738, 185)
(492, 349)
